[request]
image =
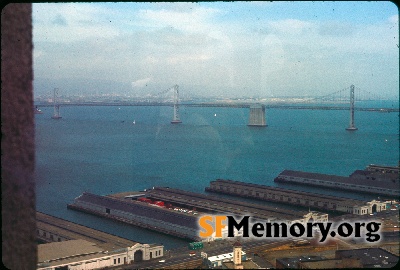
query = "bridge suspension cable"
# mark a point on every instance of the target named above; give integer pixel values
(341, 95)
(363, 95)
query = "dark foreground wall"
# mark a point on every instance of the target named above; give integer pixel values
(17, 141)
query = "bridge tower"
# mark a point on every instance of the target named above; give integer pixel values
(351, 126)
(257, 116)
(56, 114)
(176, 119)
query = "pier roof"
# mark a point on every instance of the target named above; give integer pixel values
(223, 205)
(285, 191)
(389, 182)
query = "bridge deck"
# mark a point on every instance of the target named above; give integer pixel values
(224, 105)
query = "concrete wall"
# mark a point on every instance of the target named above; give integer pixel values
(17, 143)
(47, 236)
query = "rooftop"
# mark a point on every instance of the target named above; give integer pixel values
(72, 231)
(370, 257)
(66, 249)
(247, 264)
(138, 208)
(291, 262)
(226, 256)
(344, 179)
(284, 191)
(223, 205)
(237, 244)
(331, 264)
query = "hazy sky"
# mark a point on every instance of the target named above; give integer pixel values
(229, 48)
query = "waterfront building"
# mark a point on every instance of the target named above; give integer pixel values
(176, 212)
(84, 255)
(143, 214)
(374, 179)
(294, 197)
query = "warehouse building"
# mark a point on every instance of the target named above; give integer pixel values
(216, 204)
(150, 216)
(360, 181)
(298, 198)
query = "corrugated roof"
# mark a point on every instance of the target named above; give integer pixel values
(64, 249)
(223, 205)
(389, 183)
(284, 191)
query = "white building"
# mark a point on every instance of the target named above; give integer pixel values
(216, 261)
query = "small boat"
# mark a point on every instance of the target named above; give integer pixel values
(38, 111)
(134, 122)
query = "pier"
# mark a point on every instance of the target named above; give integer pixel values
(138, 213)
(216, 204)
(175, 212)
(374, 182)
(294, 197)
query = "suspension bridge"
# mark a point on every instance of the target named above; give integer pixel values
(344, 99)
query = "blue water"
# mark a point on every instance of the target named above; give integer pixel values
(100, 150)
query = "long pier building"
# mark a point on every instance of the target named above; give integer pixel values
(139, 213)
(293, 197)
(382, 180)
(216, 204)
(176, 212)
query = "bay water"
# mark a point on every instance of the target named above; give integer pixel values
(110, 149)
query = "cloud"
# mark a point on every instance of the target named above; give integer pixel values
(394, 19)
(193, 19)
(336, 29)
(84, 21)
(59, 20)
(290, 26)
(141, 83)
(208, 49)
(37, 54)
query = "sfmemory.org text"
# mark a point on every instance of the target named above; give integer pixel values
(215, 224)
